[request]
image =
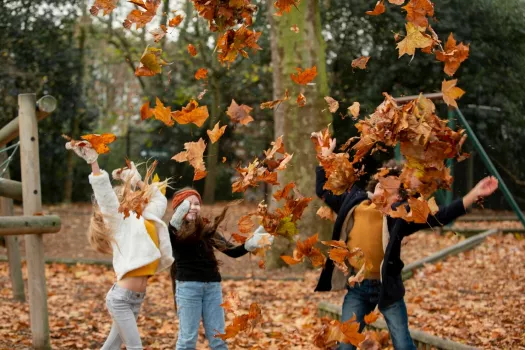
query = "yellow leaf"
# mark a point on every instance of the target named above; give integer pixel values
(414, 39)
(451, 92)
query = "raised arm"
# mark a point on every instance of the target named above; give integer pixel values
(457, 208)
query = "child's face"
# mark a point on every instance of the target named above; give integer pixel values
(195, 208)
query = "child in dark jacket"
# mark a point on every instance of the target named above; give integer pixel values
(362, 225)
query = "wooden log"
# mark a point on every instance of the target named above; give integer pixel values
(9, 132)
(457, 248)
(30, 170)
(27, 225)
(10, 189)
(13, 250)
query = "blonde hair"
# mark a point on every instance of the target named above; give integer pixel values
(99, 234)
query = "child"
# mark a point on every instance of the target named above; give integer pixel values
(140, 246)
(379, 236)
(195, 273)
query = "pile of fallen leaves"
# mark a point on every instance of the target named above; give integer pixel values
(477, 298)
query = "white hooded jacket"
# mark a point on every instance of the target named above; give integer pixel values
(132, 246)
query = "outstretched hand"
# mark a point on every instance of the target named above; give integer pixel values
(84, 150)
(484, 188)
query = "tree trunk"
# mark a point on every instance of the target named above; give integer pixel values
(213, 148)
(289, 51)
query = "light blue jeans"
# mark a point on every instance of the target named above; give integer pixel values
(196, 300)
(362, 300)
(124, 306)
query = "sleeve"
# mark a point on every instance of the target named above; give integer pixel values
(157, 204)
(332, 200)
(106, 198)
(233, 251)
(445, 215)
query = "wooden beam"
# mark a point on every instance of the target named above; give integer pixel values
(11, 189)
(27, 225)
(431, 96)
(13, 249)
(30, 170)
(45, 106)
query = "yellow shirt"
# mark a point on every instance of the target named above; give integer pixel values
(366, 233)
(151, 268)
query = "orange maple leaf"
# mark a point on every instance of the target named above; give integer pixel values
(141, 18)
(202, 73)
(306, 249)
(216, 133)
(378, 9)
(107, 5)
(304, 77)
(192, 50)
(371, 317)
(360, 62)
(283, 193)
(301, 100)
(275, 103)
(453, 55)
(194, 155)
(100, 142)
(326, 213)
(244, 322)
(245, 224)
(451, 92)
(418, 11)
(150, 63)
(175, 21)
(239, 114)
(414, 39)
(285, 6)
(162, 113)
(192, 113)
(235, 42)
(145, 111)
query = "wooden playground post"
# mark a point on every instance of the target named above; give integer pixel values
(32, 204)
(13, 250)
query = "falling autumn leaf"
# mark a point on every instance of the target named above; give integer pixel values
(194, 155)
(144, 16)
(192, 50)
(239, 114)
(396, 2)
(414, 39)
(201, 94)
(159, 33)
(306, 249)
(275, 103)
(235, 42)
(245, 224)
(106, 5)
(304, 77)
(202, 73)
(216, 133)
(301, 100)
(162, 113)
(294, 28)
(453, 55)
(451, 92)
(285, 6)
(418, 11)
(371, 317)
(175, 21)
(360, 62)
(150, 62)
(100, 142)
(145, 111)
(354, 109)
(333, 105)
(326, 213)
(378, 9)
(192, 113)
(283, 193)
(224, 159)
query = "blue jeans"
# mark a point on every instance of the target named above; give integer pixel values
(196, 300)
(362, 299)
(124, 306)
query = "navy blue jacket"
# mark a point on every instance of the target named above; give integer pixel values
(392, 288)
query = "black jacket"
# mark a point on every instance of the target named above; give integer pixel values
(392, 288)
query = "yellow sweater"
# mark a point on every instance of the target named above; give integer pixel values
(366, 233)
(151, 268)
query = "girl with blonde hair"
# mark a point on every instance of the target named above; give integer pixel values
(140, 244)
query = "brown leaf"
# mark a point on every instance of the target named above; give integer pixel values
(333, 105)
(216, 133)
(275, 103)
(239, 114)
(326, 213)
(175, 21)
(202, 73)
(360, 62)
(106, 5)
(378, 9)
(192, 113)
(194, 155)
(139, 17)
(354, 109)
(301, 100)
(192, 50)
(162, 113)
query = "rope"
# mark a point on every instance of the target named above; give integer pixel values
(5, 164)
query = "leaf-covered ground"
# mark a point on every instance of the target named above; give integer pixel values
(476, 298)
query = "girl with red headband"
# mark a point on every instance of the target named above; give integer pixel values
(195, 273)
